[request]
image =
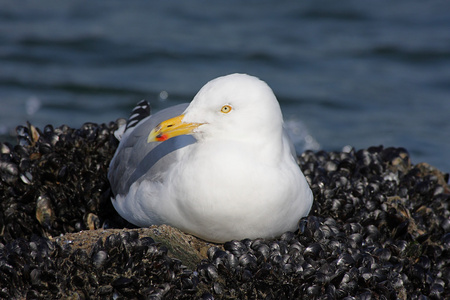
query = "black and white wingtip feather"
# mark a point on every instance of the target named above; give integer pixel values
(141, 111)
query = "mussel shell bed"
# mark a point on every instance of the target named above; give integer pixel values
(379, 229)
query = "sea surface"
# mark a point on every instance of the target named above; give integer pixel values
(360, 73)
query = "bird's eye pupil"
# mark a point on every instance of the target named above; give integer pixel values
(225, 109)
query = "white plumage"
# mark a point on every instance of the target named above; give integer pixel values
(225, 168)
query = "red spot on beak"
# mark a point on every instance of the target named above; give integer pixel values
(162, 137)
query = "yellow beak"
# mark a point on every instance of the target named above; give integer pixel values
(171, 128)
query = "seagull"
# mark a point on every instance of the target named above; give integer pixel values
(220, 168)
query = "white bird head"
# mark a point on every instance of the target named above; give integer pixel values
(236, 106)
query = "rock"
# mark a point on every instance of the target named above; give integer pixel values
(184, 247)
(379, 227)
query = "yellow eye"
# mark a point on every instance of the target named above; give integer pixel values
(225, 109)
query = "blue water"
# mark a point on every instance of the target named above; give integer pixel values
(357, 73)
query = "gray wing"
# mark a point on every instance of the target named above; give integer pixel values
(135, 159)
